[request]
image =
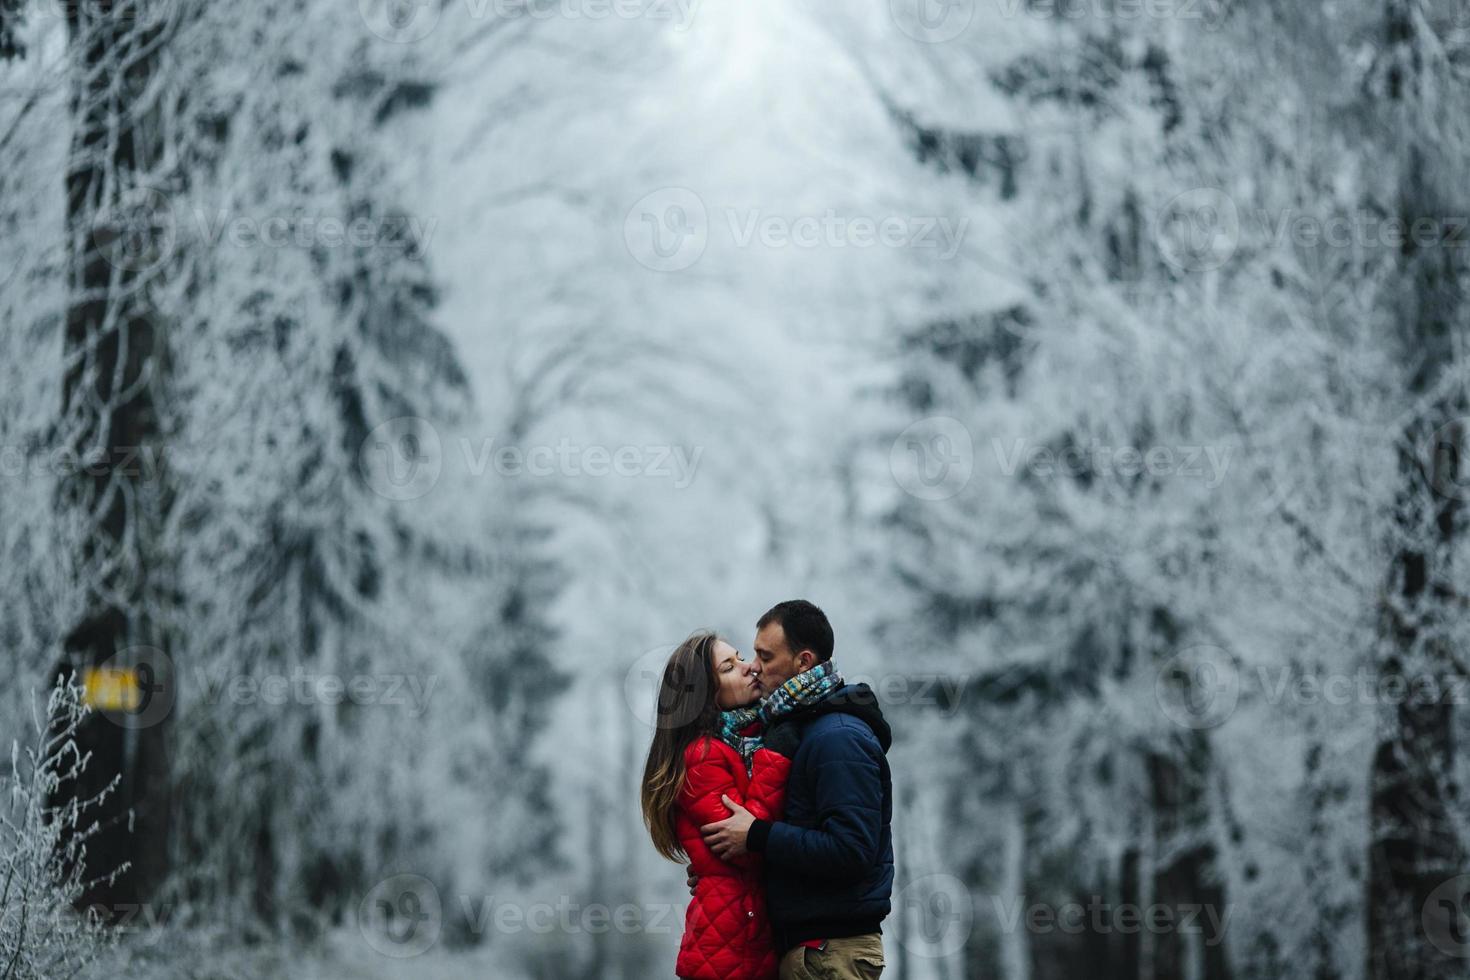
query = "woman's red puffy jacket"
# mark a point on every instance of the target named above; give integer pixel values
(726, 933)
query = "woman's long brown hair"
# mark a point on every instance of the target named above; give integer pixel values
(686, 709)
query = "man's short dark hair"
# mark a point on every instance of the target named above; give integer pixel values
(805, 626)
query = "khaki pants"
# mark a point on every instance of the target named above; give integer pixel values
(853, 958)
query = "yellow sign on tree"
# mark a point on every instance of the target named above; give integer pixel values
(112, 688)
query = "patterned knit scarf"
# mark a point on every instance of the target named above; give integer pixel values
(806, 688)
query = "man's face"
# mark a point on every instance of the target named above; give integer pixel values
(777, 661)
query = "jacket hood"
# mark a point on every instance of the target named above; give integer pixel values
(857, 700)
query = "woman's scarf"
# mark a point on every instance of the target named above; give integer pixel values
(806, 688)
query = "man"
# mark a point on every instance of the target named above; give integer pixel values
(829, 862)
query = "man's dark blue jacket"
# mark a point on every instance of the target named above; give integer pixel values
(829, 860)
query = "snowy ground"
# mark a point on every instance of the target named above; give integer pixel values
(344, 956)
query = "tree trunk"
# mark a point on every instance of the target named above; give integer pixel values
(1185, 877)
(112, 506)
(1129, 951)
(1413, 845)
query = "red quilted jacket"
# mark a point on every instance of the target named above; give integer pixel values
(726, 933)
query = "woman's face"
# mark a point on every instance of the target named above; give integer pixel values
(738, 680)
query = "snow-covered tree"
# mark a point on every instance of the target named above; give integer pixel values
(1180, 304)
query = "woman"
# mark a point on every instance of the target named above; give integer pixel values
(701, 752)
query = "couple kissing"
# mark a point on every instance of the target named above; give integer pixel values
(769, 777)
